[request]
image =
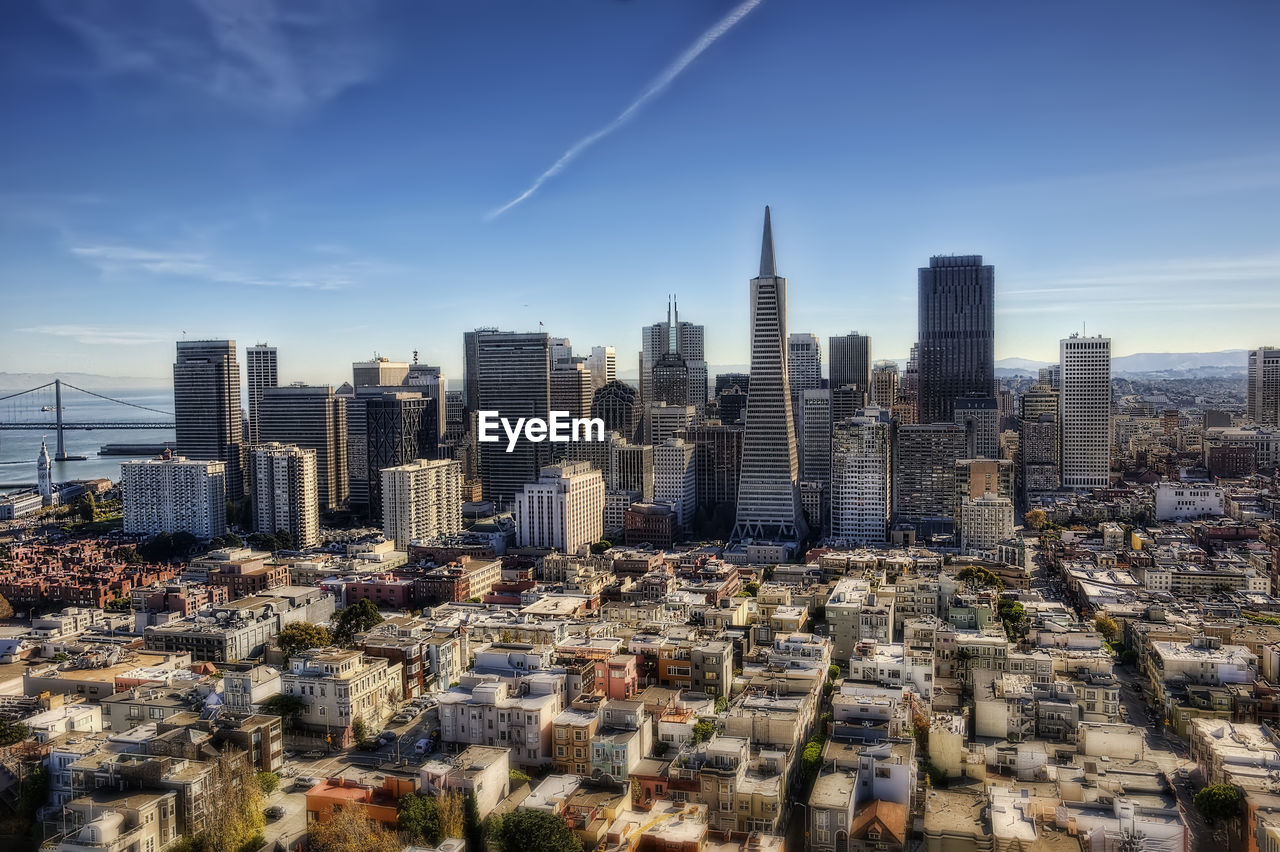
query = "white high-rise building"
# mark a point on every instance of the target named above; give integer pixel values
(675, 478)
(674, 337)
(1264, 386)
(804, 361)
(421, 500)
(768, 491)
(286, 492)
(603, 364)
(260, 368)
(663, 421)
(984, 522)
(169, 495)
(563, 510)
(1085, 411)
(860, 478)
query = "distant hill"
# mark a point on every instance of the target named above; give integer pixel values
(89, 381)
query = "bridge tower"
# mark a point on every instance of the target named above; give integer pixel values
(61, 455)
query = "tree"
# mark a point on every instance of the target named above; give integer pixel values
(87, 507)
(237, 821)
(263, 541)
(349, 830)
(1219, 803)
(301, 636)
(183, 543)
(287, 707)
(979, 578)
(1106, 625)
(833, 672)
(285, 539)
(357, 618)
(601, 546)
(128, 555)
(518, 777)
(722, 704)
(533, 831)
(269, 782)
(419, 818)
(751, 588)
(453, 815)
(1036, 518)
(6, 608)
(702, 730)
(359, 730)
(811, 761)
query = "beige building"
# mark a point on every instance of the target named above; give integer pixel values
(286, 493)
(563, 510)
(421, 500)
(337, 687)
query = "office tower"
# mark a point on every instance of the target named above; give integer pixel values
(846, 401)
(431, 382)
(513, 372)
(976, 477)
(849, 357)
(563, 510)
(170, 495)
(860, 478)
(1037, 400)
(678, 338)
(570, 388)
(768, 495)
(804, 361)
(884, 384)
(815, 436)
(44, 474)
(1051, 376)
(725, 381)
(669, 380)
(1038, 449)
(631, 468)
(379, 372)
(314, 418)
(956, 334)
(560, 350)
(618, 405)
(603, 364)
(813, 503)
(385, 428)
(455, 415)
(906, 409)
(421, 500)
(983, 522)
(471, 365)
(675, 479)
(666, 421)
(1263, 406)
(206, 406)
(286, 492)
(981, 416)
(1005, 409)
(924, 474)
(717, 462)
(732, 402)
(1084, 413)
(260, 370)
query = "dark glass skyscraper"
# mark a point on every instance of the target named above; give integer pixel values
(957, 334)
(206, 406)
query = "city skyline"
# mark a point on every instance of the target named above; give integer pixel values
(1134, 187)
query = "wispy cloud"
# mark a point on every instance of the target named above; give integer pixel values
(1179, 180)
(655, 88)
(260, 55)
(101, 335)
(116, 259)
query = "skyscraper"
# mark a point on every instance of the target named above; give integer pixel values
(815, 436)
(717, 462)
(618, 405)
(924, 474)
(1264, 386)
(664, 421)
(563, 509)
(421, 500)
(260, 370)
(860, 478)
(1084, 417)
(884, 384)
(285, 493)
(850, 360)
(206, 406)
(432, 383)
(981, 415)
(379, 372)
(675, 479)
(956, 334)
(768, 493)
(804, 362)
(173, 494)
(314, 418)
(513, 372)
(680, 338)
(399, 428)
(603, 364)
(471, 366)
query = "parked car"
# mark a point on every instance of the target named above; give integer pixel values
(305, 782)
(274, 812)
(387, 737)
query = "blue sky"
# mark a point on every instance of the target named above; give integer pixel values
(324, 176)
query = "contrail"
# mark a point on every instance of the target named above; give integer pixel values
(655, 88)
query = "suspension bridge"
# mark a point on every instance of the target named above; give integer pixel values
(19, 413)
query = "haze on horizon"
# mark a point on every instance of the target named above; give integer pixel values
(323, 180)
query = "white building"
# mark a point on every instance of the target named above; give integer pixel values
(984, 522)
(261, 372)
(169, 495)
(1178, 500)
(1264, 386)
(1084, 411)
(337, 687)
(860, 478)
(804, 361)
(44, 475)
(663, 421)
(421, 500)
(286, 492)
(563, 510)
(603, 364)
(674, 479)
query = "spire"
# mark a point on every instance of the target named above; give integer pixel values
(768, 268)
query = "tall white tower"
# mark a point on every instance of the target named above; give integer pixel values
(1084, 411)
(44, 474)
